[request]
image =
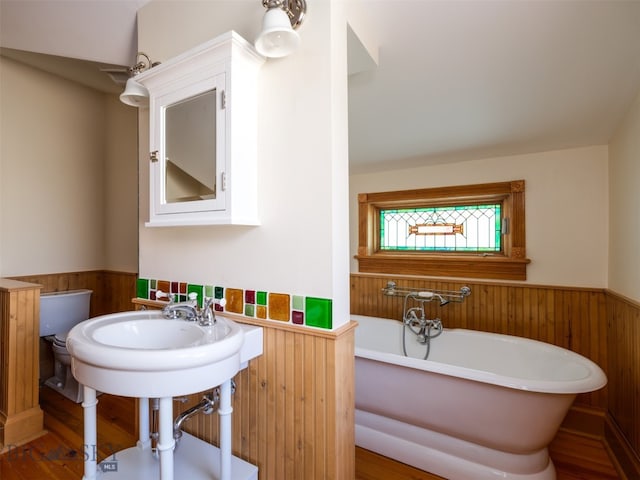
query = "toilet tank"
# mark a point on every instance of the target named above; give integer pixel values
(61, 311)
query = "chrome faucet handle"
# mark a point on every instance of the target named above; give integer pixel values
(207, 314)
(193, 298)
(207, 317)
(160, 294)
(436, 324)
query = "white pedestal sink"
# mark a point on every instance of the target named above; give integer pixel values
(142, 354)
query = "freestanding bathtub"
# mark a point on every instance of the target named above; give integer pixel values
(483, 406)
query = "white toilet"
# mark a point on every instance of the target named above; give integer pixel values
(59, 313)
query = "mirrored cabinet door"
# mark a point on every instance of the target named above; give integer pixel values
(190, 162)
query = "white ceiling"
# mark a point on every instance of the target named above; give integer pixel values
(472, 79)
(456, 79)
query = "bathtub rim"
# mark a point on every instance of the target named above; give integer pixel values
(592, 382)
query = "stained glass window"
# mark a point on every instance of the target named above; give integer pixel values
(455, 228)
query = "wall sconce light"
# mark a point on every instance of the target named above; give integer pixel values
(134, 93)
(278, 38)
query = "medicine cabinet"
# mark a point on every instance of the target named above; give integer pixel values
(203, 132)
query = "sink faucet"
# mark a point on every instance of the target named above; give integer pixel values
(186, 310)
(190, 311)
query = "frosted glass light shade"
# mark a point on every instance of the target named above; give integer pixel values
(277, 39)
(135, 94)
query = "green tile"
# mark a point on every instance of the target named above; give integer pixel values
(261, 298)
(142, 288)
(218, 292)
(199, 290)
(297, 302)
(153, 284)
(208, 291)
(318, 312)
(249, 310)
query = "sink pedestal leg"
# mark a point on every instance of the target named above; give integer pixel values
(224, 413)
(166, 442)
(144, 441)
(90, 434)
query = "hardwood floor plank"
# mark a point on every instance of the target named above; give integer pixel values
(371, 466)
(581, 455)
(59, 455)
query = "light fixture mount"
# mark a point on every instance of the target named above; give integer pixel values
(141, 65)
(295, 9)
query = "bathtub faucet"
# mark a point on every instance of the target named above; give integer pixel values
(426, 328)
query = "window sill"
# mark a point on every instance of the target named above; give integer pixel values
(465, 266)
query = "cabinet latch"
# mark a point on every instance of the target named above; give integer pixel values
(153, 156)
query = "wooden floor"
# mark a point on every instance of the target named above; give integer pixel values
(575, 458)
(59, 454)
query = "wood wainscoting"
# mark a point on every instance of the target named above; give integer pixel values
(623, 422)
(112, 291)
(293, 406)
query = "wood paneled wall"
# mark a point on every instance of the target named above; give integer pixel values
(293, 406)
(623, 323)
(112, 291)
(573, 318)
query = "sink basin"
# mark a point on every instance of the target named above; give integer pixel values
(149, 334)
(143, 354)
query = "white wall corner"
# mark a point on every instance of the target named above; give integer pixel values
(359, 57)
(362, 43)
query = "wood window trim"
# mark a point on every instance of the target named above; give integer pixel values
(510, 265)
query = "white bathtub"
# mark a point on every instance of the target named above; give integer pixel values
(483, 406)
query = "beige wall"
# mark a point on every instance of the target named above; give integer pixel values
(121, 186)
(566, 207)
(624, 183)
(53, 188)
(301, 246)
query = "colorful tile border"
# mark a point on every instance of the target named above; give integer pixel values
(281, 307)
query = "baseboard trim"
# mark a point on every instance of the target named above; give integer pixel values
(585, 421)
(625, 459)
(596, 424)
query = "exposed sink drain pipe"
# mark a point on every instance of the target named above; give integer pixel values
(207, 405)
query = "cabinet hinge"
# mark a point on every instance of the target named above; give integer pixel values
(223, 99)
(153, 156)
(223, 181)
